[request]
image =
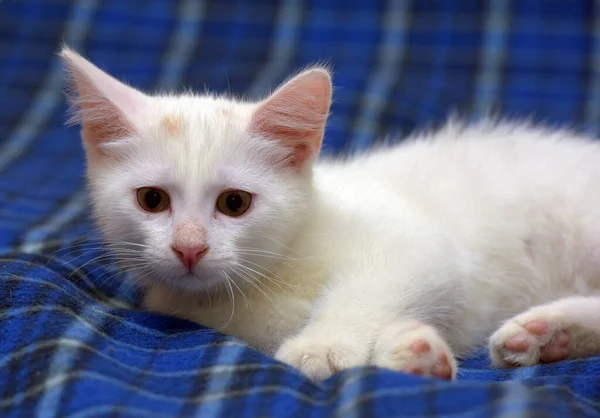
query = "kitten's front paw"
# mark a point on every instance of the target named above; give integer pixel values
(321, 355)
(538, 335)
(415, 348)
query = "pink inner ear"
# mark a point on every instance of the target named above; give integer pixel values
(99, 102)
(295, 115)
(100, 119)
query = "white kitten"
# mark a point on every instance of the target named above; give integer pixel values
(403, 257)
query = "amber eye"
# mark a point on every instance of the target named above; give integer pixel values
(153, 200)
(234, 202)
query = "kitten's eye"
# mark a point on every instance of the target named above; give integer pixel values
(234, 202)
(153, 200)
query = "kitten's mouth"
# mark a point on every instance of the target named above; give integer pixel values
(193, 281)
(175, 276)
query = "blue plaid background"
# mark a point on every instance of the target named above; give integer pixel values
(72, 342)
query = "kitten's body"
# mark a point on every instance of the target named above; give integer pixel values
(505, 216)
(403, 257)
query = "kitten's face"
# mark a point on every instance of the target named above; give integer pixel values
(207, 158)
(194, 191)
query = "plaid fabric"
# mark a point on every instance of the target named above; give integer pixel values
(72, 342)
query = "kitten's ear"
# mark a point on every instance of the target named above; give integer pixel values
(295, 115)
(105, 107)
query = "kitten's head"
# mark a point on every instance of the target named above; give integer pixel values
(190, 189)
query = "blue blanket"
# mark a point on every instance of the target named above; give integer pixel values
(72, 340)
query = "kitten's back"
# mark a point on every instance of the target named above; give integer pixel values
(521, 203)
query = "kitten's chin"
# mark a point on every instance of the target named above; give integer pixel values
(185, 282)
(193, 286)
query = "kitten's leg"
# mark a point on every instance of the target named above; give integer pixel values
(414, 347)
(349, 319)
(345, 323)
(566, 328)
(358, 303)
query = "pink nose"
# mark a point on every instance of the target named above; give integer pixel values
(189, 256)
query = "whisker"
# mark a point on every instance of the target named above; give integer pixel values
(280, 281)
(251, 271)
(241, 292)
(232, 302)
(259, 251)
(252, 281)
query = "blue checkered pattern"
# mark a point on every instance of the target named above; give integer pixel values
(72, 342)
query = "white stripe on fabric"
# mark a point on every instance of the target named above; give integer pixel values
(75, 345)
(492, 55)
(592, 108)
(14, 312)
(282, 48)
(33, 241)
(61, 363)
(219, 384)
(75, 292)
(190, 15)
(379, 86)
(43, 105)
(120, 410)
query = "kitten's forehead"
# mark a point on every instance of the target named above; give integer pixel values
(171, 125)
(179, 117)
(193, 134)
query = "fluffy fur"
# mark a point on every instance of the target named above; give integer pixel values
(405, 257)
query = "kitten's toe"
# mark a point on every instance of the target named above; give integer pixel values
(416, 349)
(534, 337)
(557, 349)
(320, 357)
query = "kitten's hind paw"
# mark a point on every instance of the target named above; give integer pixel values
(536, 336)
(415, 348)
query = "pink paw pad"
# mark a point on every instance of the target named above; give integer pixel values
(415, 370)
(520, 342)
(420, 347)
(556, 349)
(442, 368)
(537, 327)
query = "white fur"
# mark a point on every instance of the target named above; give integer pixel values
(459, 230)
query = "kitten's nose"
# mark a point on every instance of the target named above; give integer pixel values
(189, 256)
